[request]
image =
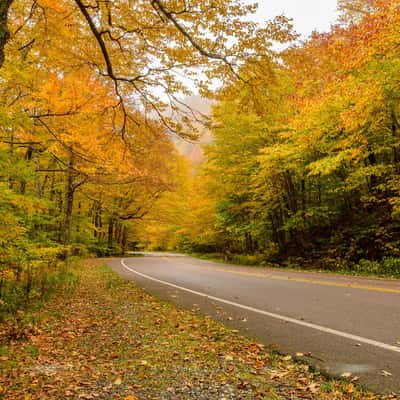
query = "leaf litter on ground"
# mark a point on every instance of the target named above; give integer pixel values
(111, 340)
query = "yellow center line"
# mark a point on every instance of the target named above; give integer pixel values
(298, 280)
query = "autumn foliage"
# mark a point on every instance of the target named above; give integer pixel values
(304, 165)
(305, 153)
(90, 97)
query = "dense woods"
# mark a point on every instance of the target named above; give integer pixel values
(305, 154)
(304, 163)
(90, 101)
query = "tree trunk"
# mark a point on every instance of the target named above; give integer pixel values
(124, 239)
(319, 190)
(291, 192)
(117, 233)
(69, 201)
(28, 158)
(372, 161)
(303, 194)
(78, 226)
(4, 33)
(110, 240)
(395, 128)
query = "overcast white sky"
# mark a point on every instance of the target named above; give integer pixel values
(308, 15)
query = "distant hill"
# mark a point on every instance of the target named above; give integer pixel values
(199, 104)
(194, 151)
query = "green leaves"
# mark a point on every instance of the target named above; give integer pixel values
(312, 143)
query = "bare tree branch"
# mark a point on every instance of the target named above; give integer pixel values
(159, 6)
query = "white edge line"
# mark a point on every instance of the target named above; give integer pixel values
(358, 339)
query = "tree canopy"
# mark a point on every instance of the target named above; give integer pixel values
(90, 93)
(305, 161)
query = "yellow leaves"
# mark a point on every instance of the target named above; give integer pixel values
(72, 92)
(350, 388)
(7, 275)
(118, 381)
(58, 6)
(278, 374)
(147, 53)
(327, 165)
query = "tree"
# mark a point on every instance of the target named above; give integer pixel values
(143, 48)
(306, 159)
(4, 33)
(353, 11)
(69, 180)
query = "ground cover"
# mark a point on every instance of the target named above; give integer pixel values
(108, 339)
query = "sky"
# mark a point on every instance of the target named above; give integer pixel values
(308, 15)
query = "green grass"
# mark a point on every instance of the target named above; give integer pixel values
(387, 268)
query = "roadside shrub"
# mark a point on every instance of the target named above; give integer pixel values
(271, 252)
(31, 274)
(391, 266)
(336, 264)
(63, 279)
(11, 299)
(242, 259)
(367, 267)
(388, 266)
(112, 280)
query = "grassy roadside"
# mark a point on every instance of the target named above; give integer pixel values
(371, 269)
(110, 340)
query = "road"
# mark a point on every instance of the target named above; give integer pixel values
(338, 324)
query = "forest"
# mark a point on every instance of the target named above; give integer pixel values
(303, 167)
(303, 163)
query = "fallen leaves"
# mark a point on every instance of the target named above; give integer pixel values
(350, 388)
(118, 381)
(230, 368)
(276, 375)
(312, 387)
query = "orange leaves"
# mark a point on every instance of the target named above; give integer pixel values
(55, 5)
(374, 31)
(72, 93)
(141, 49)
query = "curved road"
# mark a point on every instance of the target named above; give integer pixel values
(338, 324)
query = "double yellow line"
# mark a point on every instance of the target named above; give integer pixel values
(289, 279)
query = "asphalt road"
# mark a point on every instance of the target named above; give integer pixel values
(338, 324)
